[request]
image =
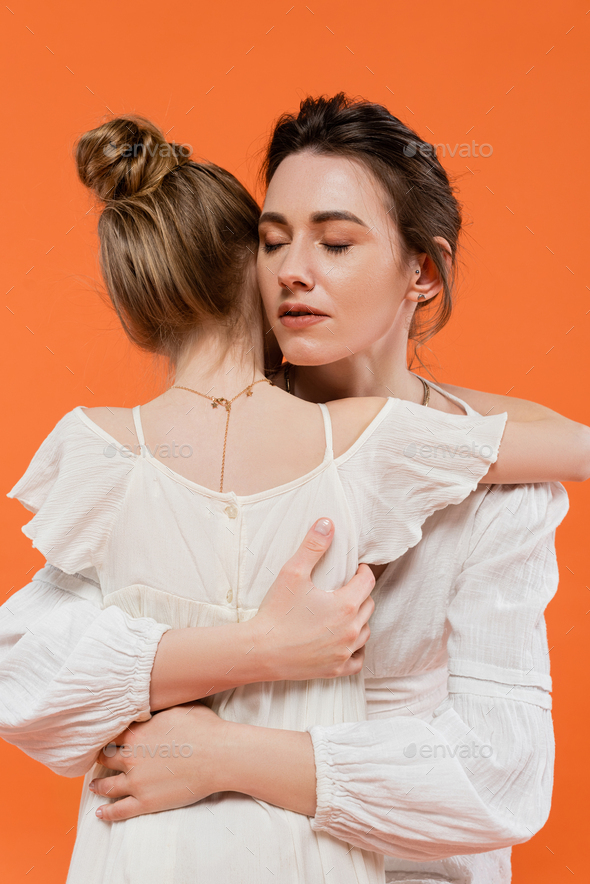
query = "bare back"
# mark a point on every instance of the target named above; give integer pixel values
(273, 437)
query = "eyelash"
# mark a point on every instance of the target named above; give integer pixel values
(335, 250)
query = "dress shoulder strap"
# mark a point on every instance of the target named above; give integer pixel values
(138, 426)
(327, 427)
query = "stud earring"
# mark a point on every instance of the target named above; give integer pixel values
(421, 298)
(417, 271)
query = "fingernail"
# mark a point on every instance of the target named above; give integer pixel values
(323, 526)
(99, 811)
(91, 785)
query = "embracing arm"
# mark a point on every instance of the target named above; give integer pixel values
(489, 786)
(74, 675)
(474, 776)
(544, 445)
(71, 674)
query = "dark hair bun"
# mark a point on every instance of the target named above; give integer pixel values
(126, 157)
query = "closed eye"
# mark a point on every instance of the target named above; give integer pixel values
(334, 249)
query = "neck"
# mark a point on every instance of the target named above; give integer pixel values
(379, 370)
(216, 366)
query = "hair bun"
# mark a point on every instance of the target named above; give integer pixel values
(126, 157)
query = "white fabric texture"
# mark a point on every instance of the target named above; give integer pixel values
(489, 742)
(98, 506)
(72, 677)
(415, 667)
(457, 663)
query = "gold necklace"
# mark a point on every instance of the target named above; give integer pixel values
(286, 374)
(227, 404)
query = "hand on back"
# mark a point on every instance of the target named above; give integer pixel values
(309, 633)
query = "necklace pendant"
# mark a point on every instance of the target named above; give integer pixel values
(250, 392)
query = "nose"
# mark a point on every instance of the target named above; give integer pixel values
(296, 270)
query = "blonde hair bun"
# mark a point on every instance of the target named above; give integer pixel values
(127, 157)
(178, 239)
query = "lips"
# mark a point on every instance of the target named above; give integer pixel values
(298, 309)
(299, 316)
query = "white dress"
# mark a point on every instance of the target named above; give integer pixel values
(165, 548)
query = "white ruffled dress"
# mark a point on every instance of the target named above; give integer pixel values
(167, 548)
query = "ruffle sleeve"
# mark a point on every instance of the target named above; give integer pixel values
(75, 485)
(415, 461)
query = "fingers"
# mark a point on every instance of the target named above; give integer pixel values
(110, 756)
(364, 636)
(111, 787)
(365, 611)
(120, 810)
(361, 585)
(116, 788)
(361, 639)
(359, 655)
(355, 663)
(314, 545)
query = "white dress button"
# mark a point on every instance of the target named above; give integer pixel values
(229, 595)
(231, 511)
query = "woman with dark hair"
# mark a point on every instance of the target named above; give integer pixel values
(152, 255)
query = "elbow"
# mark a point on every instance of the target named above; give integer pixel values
(521, 831)
(529, 819)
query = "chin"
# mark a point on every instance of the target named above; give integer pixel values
(301, 352)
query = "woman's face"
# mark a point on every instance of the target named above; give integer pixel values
(329, 249)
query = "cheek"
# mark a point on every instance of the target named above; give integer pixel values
(366, 301)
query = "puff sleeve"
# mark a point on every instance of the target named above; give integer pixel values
(416, 461)
(73, 474)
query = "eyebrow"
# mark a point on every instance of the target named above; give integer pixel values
(316, 218)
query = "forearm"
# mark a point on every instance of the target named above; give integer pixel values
(195, 662)
(541, 451)
(369, 784)
(547, 446)
(73, 675)
(276, 766)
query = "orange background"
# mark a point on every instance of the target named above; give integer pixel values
(512, 75)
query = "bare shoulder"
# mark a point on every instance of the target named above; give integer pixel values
(351, 417)
(117, 422)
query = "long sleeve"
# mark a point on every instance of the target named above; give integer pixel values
(72, 675)
(477, 774)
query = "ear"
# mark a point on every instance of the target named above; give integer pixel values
(428, 282)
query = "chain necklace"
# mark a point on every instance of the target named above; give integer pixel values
(227, 404)
(287, 371)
